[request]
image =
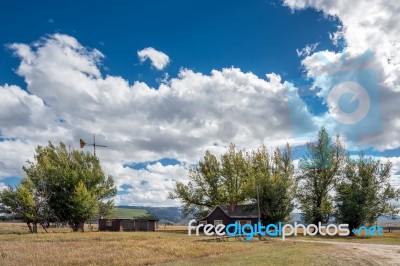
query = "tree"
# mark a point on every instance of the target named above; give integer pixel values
(318, 175)
(364, 192)
(271, 183)
(20, 203)
(106, 209)
(28, 203)
(203, 192)
(213, 182)
(84, 206)
(233, 176)
(74, 180)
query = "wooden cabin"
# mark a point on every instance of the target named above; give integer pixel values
(132, 220)
(229, 214)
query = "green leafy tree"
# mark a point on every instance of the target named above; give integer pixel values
(363, 193)
(233, 176)
(106, 209)
(19, 202)
(271, 183)
(28, 203)
(203, 191)
(213, 182)
(84, 206)
(68, 175)
(319, 171)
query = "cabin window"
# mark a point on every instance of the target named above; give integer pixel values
(109, 223)
(203, 222)
(217, 222)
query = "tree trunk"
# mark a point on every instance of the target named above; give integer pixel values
(74, 227)
(44, 227)
(30, 228)
(35, 227)
(77, 226)
(82, 226)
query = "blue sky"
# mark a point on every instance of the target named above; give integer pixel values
(255, 36)
(70, 69)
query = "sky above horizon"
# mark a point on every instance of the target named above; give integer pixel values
(160, 82)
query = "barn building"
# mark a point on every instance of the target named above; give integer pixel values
(226, 214)
(132, 220)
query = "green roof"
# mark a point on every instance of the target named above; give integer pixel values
(137, 214)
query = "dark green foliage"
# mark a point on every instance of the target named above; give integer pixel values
(68, 186)
(364, 192)
(273, 178)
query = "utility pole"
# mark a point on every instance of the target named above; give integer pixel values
(82, 143)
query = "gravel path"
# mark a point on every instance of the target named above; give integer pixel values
(375, 254)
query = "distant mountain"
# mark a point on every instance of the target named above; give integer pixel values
(165, 214)
(174, 214)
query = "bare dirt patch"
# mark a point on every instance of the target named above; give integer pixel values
(372, 254)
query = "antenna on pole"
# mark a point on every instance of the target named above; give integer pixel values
(82, 144)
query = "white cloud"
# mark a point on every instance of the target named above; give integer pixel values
(13, 156)
(158, 59)
(148, 186)
(366, 25)
(67, 98)
(306, 51)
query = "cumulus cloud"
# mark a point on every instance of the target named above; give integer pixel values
(67, 98)
(366, 26)
(158, 59)
(371, 56)
(149, 186)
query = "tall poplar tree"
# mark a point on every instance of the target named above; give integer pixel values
(364, 192)
(319, 171)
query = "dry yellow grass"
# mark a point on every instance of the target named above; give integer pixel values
(102, 248)
(169, 245)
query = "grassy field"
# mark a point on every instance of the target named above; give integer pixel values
(172, 246)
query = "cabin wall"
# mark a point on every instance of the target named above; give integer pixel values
(104, 224)
(219, 214)
(126, 225)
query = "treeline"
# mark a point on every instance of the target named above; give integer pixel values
(328, 183)
(61, 186)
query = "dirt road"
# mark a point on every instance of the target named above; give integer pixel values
(366, 254)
